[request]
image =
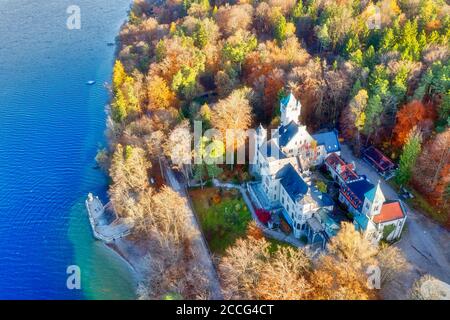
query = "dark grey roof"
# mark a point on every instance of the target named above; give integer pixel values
(272, 150)
(360, 187)
(323, 199)
(286, 133)
(292, 182)
(329, 140)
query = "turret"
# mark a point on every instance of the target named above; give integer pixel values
(261, 135)
(374, 200)
(260, 138)
(290, 109)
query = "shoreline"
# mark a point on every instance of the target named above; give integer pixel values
(122, 247)
(131, 267)
(133, 254)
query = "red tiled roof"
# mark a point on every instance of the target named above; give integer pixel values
(333, 160)
(389, 211)
(378, 159)
(346, 169)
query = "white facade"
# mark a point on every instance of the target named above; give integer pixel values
(282, 161)
(290, 110)
(372, 213)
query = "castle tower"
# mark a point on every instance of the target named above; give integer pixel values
(260, 138)
(290, 109)
(374, 200)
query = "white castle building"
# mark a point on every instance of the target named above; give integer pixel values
(282, 162)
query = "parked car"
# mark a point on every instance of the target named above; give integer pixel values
(405, 194)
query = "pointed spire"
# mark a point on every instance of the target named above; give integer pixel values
(290, 109)
(260, 129)
(379, 185)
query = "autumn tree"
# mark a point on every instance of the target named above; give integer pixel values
(128, 172)
(284, 277)
(339, 281)
(241, 267)
(233, 18)
(174, 267)
(254, 231)
(391, 262)
(429, 288)
(431, 174)
(353, 118)
(179, 148)
(119, 75)
(341, 274)
(233, 114)
(250, 269)
(409, 116)
(274, 83)
(125, 102)
(159, 94)
(238, 46)
(266, 70)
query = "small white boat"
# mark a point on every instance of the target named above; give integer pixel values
(90, 82)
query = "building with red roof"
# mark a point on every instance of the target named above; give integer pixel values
(373, 215)
(341, 171)
(391, 210)
(379, 161)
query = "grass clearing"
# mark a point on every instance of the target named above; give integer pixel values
(223, 216)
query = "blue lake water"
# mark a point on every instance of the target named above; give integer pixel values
(51, 124)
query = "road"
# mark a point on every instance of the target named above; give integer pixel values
(425, 244)
(202, 249)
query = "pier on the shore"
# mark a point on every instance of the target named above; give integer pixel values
(106, 226)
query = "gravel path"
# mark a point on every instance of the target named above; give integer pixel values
(200, 242)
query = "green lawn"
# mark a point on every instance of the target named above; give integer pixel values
(223, 216)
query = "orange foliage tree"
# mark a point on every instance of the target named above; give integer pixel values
(159, 94)
(410, 115)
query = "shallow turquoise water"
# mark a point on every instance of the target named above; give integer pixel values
(51, 124)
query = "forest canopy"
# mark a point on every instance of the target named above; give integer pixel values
(378, 71)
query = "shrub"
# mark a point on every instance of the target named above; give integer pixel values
(263, 215)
